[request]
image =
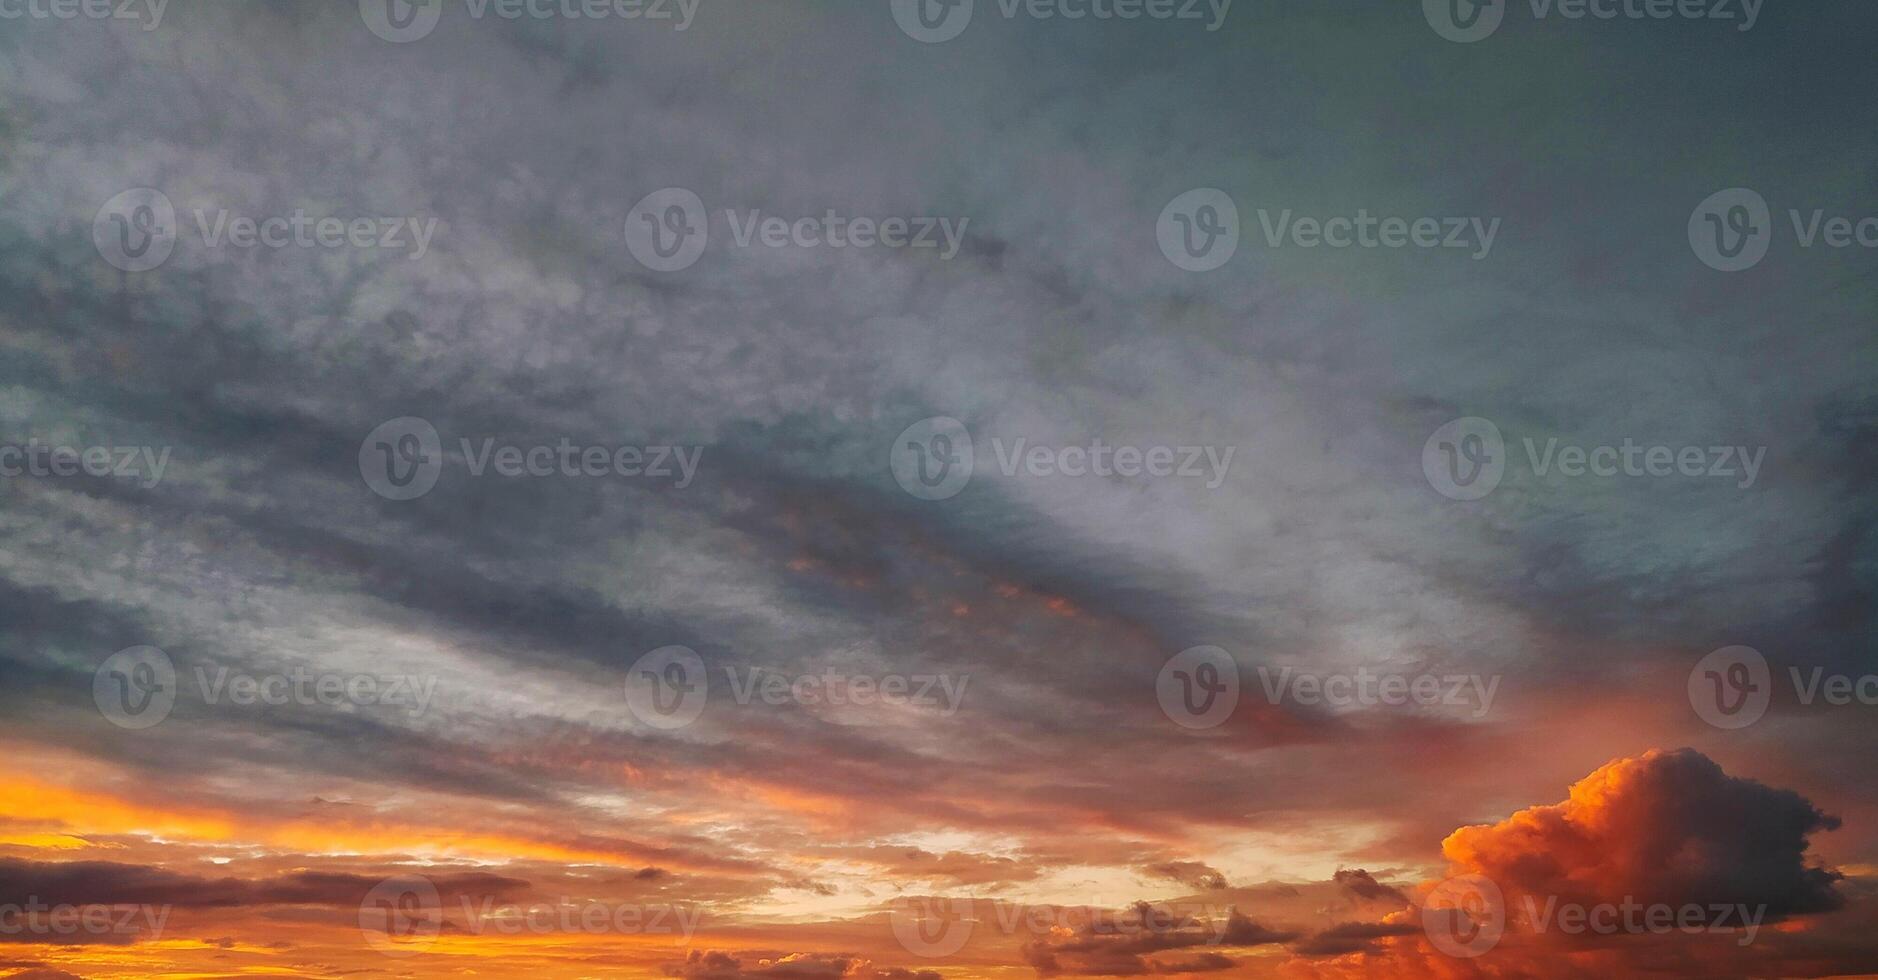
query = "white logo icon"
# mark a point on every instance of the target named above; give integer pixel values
(667, 229)
(1199, 230)
(932, 458)
(1464, 21)
(932, 21)
(136, 230)
(135, 688)
(401, 21)
(1198, 687)
(666, 688)
(401, 459)
(1465, 459)
(1730, 230)
(1464, 916)
(401, 916)
(931, 927)
(1731, 687)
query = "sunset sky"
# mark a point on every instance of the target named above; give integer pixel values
(516, 577)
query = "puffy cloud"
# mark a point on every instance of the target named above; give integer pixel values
(1668, 827)
(1363, 885)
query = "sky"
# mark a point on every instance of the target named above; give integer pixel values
(907, 490)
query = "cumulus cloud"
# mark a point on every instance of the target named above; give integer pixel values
(1668, 827)
(1363, 885)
